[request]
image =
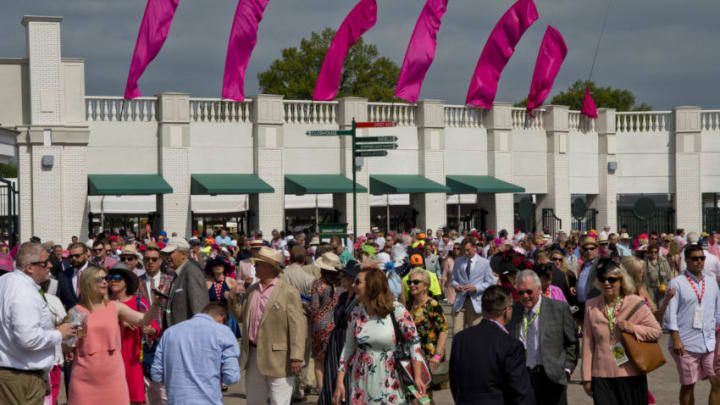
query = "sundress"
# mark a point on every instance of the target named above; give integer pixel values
(430, 323)
(323, 298)
(368, 356)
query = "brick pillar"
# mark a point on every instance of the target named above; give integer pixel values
(688, 145)
(606, 200)
(349, 108)
(558, 167)
(432, 211)
(44, 58)
(499, 127)
(268, 118)
(174, 162)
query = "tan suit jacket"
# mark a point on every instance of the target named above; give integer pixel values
(283, 329)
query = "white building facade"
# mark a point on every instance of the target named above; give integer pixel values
(174, 159)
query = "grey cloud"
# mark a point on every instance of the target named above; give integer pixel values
(665, 51)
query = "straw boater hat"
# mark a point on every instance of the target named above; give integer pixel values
(329, 261)
(624, 236)
(588, 240)
(129, 250)
(269, 256)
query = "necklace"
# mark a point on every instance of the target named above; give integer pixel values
(218, 289)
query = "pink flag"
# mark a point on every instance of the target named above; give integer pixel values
(359, 21)
(550, 58)
(243, 38)
(588, 107)
(421, 51)
(498, 50)
(153, 32)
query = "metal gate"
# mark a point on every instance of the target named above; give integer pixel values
(662, 220)
(711, 219)
(585, 222)
(551, 223)
(8, 210)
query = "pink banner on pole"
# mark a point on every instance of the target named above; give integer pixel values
(498, 50)
(588, 108)
(421, 50)
(243, 38)
(151, 37)
(360, 19)
(550, 58)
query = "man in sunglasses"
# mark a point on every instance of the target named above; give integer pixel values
(692, 317)
(552, 355)
(586, 276)
(100, 257)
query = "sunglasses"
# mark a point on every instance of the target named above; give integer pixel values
(557, 259)
(151, 259)
(524, 292)
(43, 264)
(98, 250)
(611, 280)
(697, 258)
(112, 277)
(589, 249)
(126, 258)
(100, 279)
(357, 281)
(77, 256)
(415, 282)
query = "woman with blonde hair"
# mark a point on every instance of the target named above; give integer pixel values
(447, 266)
(674, 259)
(370, 343)
(636, 270)
(608, 375)
(98, 372)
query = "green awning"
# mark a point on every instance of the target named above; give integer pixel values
(480, 184)
(127, 184)
(319, 184)
(404, 183)
(228, 183)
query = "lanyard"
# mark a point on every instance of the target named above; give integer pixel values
(612, 314)
(526, 324)
(699, 296)
(42, 293)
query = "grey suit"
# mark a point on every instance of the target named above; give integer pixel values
(558, 345)
(188, 295)
(590, 290)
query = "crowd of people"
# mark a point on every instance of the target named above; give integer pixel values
(125, 319)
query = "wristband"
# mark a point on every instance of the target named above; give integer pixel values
(437, 357)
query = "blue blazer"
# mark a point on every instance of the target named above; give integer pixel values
(481, 276)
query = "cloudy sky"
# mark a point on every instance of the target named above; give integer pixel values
(665, 51)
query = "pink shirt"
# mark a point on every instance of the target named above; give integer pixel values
(257, 308)
(556, 293)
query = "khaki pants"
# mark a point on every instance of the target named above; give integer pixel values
(465, 317)
(21, 387)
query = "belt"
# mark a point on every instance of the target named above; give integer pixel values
(535, 370)
(15, 370)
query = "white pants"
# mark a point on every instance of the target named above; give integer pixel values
(259, 388)
(156, 394)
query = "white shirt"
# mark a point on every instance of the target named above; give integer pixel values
(76, 276)
(57, 313)
(532, 340)
(148, 284)
(27, 334)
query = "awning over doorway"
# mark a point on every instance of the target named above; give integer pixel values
(228, 183)
(480, 184)
(319, 184)
(404, 183)
(127, 184)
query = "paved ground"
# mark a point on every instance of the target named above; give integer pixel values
(663, 383)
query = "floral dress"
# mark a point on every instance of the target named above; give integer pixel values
(368, 356)
(430, 323)
(323, 299)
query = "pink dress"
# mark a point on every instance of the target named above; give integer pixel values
(556, 293)
(131, 344)
(98, 373)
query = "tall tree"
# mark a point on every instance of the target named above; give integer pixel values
(364, 73)
(605, 97)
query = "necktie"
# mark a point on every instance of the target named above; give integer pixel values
(153, 286)
(467, 268)
(42, 293)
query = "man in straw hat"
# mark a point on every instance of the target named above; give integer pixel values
(624, 246)
(586, 277)
(274, 330)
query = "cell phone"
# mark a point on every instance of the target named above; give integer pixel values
(158, 293)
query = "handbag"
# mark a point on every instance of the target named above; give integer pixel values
(647, 356)
(403, 363)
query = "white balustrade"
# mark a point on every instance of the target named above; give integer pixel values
(403, 114)
(102, 108)
(522, 120)
(710, 120)
(461, 116)
(310, 112)
(643, 121)
(579, 122)
(219, 110)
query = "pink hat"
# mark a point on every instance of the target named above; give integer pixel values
(6, 262)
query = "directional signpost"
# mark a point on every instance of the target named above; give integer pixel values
(368, 146)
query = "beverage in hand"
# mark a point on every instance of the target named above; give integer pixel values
(82, 331)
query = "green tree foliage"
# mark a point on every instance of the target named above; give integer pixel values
(8, 170)
(364, 73)
(605, 97)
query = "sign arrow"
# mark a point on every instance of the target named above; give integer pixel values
(371, 153)
(371, 146)
(329, 132)
(376, 124)
(367, 139)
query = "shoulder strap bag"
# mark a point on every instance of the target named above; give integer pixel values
(647, 356)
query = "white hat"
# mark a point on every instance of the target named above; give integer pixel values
(176, 244)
